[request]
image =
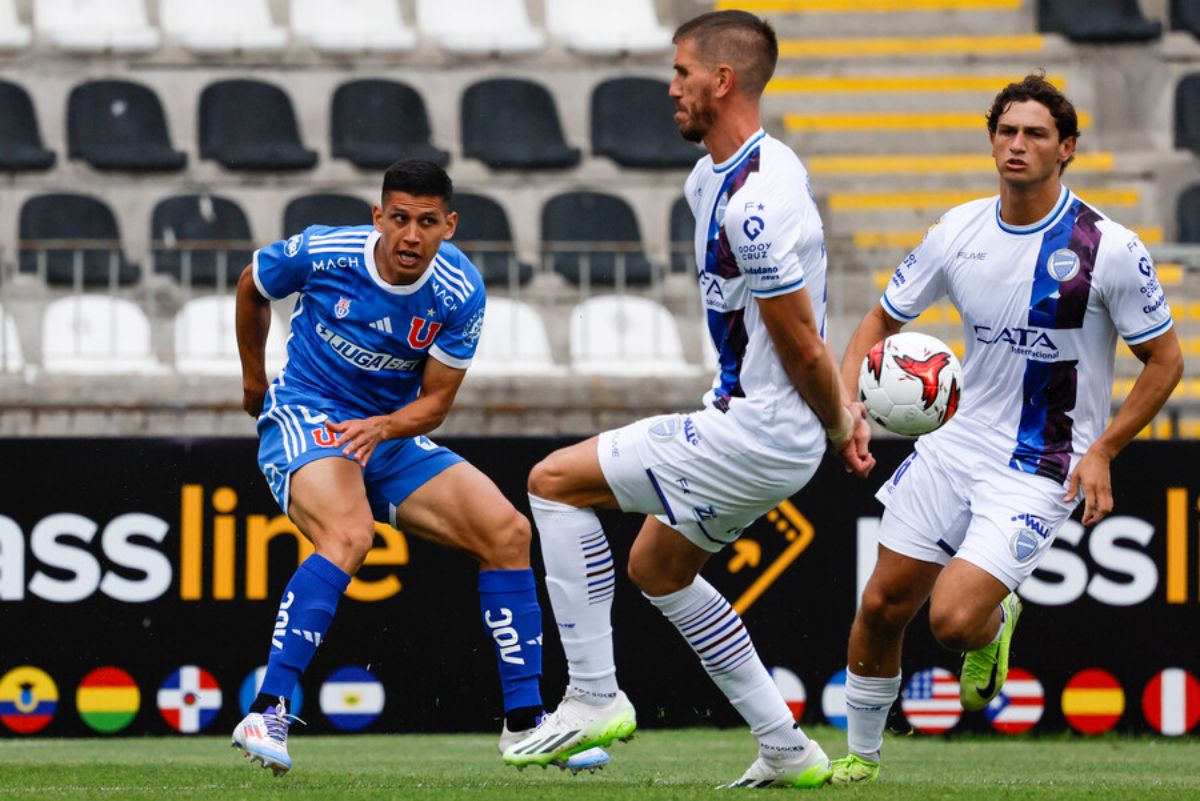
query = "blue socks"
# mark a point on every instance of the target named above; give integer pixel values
(304, 616)
(512, 618)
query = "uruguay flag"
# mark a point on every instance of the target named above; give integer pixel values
(352, 698)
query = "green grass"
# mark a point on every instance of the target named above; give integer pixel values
(682, 764)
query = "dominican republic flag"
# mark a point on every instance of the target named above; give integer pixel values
(1171, 702)
(1093, 701)
(930, 701)
(833, 700)
(1019, 705)
(253, 683)
(352, 698)
(792, 690)
(189, 699)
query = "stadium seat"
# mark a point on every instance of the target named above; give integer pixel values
(96, 334)
(633, 124)
(206, 338)
(682, 237)
(1097, 20)
(625, 335)
(324, 209)
(1188, 211)
(1185, 16)
(479, 27)
(200, 219)
(609, 225)
(96, 26)
(1187, 113)
(610, 28)
(20, 141)
(222, 27)
(513, 124)
(12, 359)
(513, 342)
(347, 27)
(119, 125)
(375, 122)
(67, 216)
(250, 125)
(13, 35)
(483, 220)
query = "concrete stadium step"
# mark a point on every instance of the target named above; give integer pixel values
(902, 240)
(917, 47)
(905, 85)
(836, 172)
(891, 17)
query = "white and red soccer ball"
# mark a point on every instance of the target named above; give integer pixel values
(910, 383)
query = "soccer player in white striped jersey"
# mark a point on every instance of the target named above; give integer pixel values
(702, 478)
(1045, 284)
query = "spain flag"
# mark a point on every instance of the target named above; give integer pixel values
(1093, 701)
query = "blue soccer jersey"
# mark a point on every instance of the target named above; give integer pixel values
(357, 342)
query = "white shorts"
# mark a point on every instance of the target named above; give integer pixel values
(701, 474)
(954, 501)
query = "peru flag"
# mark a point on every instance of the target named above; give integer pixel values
(1171, 702)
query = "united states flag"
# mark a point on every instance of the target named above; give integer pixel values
(930, 701)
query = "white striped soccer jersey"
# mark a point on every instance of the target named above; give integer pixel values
(1042, 306)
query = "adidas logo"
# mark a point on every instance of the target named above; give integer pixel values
(312, 636)
(384, 325)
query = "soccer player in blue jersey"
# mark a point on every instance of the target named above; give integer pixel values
(383, 332)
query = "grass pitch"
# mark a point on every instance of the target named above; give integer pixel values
(683, 764)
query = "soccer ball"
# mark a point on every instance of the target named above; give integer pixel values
(910, 383)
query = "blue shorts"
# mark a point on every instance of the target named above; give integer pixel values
(292, 435)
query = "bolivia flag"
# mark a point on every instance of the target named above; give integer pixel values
(1171, 701)
(108, 699)
(352, 698)
(1093, 701)
(28, 699)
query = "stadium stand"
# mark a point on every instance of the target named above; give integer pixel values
(625, 335)
(479, 27)
(13, 35)
(611, 28)
(632, 124)
(373, 122)
(20, 140)
(12, 357)
(1187, 113)
(250, 125)
(324, 208)
(1188, 214)
(221, 27)
(80, 243)
(119, 125)
(350, 27)
(1185, 16)
(1097, 20)
(486, 236)
(508, 123)
(206, 338)
(514, 342)
(97, 334)
(88, 27)
(187, 232)
(682, 234)
(573, 220)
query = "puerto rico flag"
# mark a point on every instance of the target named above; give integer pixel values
(1019, 705)
(1171, 702)
(930, 701)
(189, 699)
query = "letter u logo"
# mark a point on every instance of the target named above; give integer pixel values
(323, 437)
(420, 337)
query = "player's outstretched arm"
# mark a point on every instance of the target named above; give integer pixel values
(812, 370)
(1162, 367)
(252, 321)
(439, 385)
(875, 325)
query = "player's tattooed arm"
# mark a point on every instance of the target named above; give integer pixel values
(253, 320)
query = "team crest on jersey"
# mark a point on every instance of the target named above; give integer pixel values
(665, 430)
(292, 247)
(341, 308)
(420, 335)
(1063, 265)
(1024, 545)
(474, 328)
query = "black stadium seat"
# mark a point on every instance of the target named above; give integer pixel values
(594, 217)
(65, 216)
(513, 124)
(375, 122)
(632, 124)
(324, 208)
(20, 142)
(1185, 16)
(682, 237)
(1189, 214)
(1097, 20)
(250, 125)
(1187, 113)
(178, 220)
(119, 125)
(480, 220)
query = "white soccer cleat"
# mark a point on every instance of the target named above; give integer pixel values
(809, 770)
(591, 760)
(574, 729)
(263, 737)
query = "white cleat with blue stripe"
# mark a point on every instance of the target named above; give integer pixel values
(263, 738)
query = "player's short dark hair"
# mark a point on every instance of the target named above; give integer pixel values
(418, 178)
(736, 38)
(1035, 87)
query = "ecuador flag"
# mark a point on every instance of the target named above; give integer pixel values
(1093, 701)
(108, 699)
(28, 699)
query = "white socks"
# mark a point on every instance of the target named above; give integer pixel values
(717, 635)
(868, 700)
(580, 580)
